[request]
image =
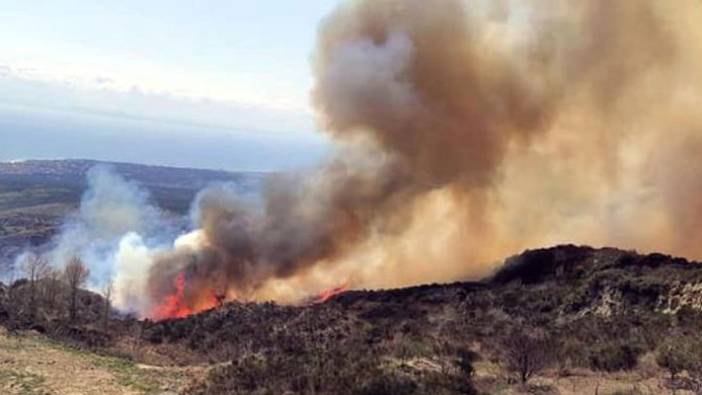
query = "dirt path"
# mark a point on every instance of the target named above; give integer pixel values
(33, 365)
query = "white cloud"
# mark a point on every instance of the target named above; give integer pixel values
(150, 94)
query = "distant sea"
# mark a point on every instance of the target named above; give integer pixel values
(40, 134)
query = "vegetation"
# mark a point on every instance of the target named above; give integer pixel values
(678, 354)
(613, 357)
(573, 309)
(76, 273)
(526, 351)
(35, 268)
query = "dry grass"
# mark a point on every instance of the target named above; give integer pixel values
(490, 378)
(31, 364)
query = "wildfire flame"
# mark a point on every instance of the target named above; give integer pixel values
(175, 305)
(178, 303)
(328, 294)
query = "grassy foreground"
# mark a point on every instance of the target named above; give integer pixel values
(30, 364)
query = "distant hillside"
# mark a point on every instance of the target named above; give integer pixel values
(74, 171)
(35, 195)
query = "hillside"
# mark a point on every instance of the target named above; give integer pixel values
(602, 315)
(73, 172)
(35, 183)
(604, 310)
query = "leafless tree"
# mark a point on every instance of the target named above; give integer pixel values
(51, 287)
(75, 273)
(11, 293)
(526, 352)
(107, 294)
(6, 272)
(34, 267)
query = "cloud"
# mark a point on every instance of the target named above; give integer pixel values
(192, 103)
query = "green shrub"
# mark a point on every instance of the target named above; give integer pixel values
(388, 384)
(569, 354)
(678, 354)
(614, 357)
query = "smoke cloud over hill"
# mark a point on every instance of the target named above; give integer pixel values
(465, 133)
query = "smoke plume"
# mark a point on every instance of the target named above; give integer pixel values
(104, 234)
(110, 208)
(468, 133)
(465, 133)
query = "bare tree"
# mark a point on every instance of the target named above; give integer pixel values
(107, 294)
(75, 273)
(6, 272)
(51, 287)
(11, 292)
(526, 352)
(34, 268)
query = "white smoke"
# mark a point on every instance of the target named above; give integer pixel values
(132, 262)
(118, 231)
(112, 213)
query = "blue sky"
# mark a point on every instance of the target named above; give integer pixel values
(207, 83)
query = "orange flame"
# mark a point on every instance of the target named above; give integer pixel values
(328, 294)
(175, 305)
(179, 305)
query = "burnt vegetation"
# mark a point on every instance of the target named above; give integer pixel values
(546, 312)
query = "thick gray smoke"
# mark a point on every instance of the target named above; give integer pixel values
(425, 104)
(467, 133)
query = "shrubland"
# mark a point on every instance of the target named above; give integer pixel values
(548, 313)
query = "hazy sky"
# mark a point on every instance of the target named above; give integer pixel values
(207, 83)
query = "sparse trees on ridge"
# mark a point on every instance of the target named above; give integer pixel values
(51, 287)
(107, 294)
(34, 268)
(75, 274)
